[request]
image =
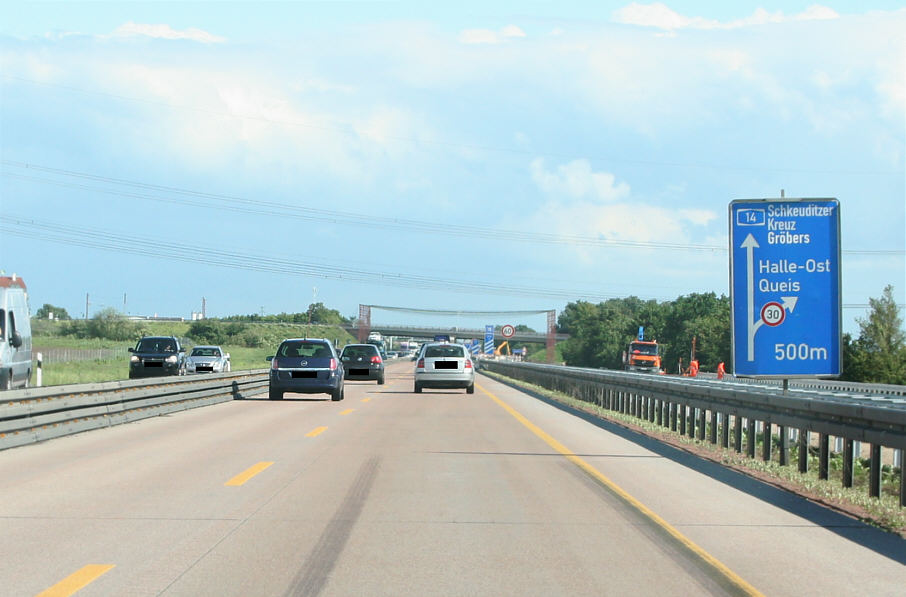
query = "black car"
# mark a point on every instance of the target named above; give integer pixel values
(306, 366)
(156, 356)
(363, 361)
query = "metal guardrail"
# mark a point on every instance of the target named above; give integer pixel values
(720, 410)
(37, 414)
(820, 385)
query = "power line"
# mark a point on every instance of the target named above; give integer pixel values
(260, 207)
(272, 208)
(244, 260)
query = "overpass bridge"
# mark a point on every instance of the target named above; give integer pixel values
(363, 326)
(459, 332)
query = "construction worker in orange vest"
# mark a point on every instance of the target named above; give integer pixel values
(720, 370)
(693, 368)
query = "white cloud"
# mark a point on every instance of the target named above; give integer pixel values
(577, 180)
(660, 16)
(587, 203)
(512, 31)
(487, 36)
(131, 29)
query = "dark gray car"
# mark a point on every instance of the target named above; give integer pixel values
(306, 366)
(155, 356)
(363, 361)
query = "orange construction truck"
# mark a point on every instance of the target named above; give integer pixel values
(644, 356)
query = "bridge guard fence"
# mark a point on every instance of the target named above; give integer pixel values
(735, 415)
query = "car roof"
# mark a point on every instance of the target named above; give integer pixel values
(205, 346)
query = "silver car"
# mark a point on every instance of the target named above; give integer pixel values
(445, 365)
(208, 359)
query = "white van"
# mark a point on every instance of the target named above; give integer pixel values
(15, 334)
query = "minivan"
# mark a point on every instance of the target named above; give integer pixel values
(15, 334)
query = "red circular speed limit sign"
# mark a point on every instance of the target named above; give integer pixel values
(773, 314)
(508, 331)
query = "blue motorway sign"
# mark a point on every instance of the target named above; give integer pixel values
(785, 287)
(489, 339)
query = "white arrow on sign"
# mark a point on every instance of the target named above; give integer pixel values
(749, 244)
(789, 302)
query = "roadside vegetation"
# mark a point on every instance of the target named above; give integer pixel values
(95, 350)
(599, 333)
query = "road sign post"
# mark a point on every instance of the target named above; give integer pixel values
(785, 287)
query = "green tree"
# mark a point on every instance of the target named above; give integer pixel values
(704, 316)
(109, 324)
(321, 315)
(879, 354)
(59, 313)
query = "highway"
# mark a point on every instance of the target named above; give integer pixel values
(393, 493)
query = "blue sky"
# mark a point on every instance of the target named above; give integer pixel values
(482, 156)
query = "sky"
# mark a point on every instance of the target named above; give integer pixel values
(476, 156)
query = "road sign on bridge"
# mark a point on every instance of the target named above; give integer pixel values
(785, 287)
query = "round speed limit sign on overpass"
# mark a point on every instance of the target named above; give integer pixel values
(508, 331)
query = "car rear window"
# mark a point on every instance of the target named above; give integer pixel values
(156, 345)
(304, 349)
(360, 351)
(443, 351)
(205, 352)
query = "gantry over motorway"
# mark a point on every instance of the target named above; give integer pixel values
(363, 326)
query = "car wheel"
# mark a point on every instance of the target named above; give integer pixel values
(8, 382)
(337, 394)
(470, 389)
(380, 380)
(418, 388)
(273, 394)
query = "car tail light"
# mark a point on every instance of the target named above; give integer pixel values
(333, 364)
(468, 363)
(274, 363)
(376, 360)
(421, 364)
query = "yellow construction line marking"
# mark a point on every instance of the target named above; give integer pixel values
(366, 399)
(731, 576)
(77, 580)
(316, 432)
(244, 476)
(347, 411)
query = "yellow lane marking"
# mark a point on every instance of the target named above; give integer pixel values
(316, 432)
(366, 399)
(731, 576)
(243, 477)
(347, 411)
(76, 581)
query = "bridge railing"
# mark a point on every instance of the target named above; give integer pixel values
(731, 414)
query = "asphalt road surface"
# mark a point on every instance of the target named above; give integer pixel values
(394, 493)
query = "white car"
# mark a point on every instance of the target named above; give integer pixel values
(208, 359)
(444, 365)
